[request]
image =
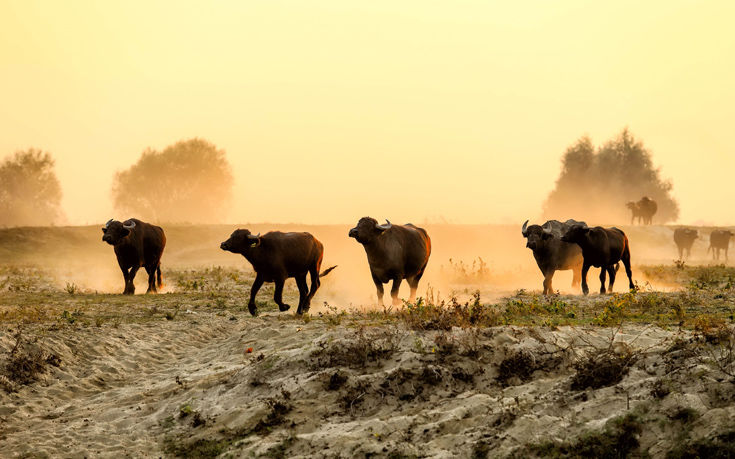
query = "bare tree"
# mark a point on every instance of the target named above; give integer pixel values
(30, 193)
(190, 181)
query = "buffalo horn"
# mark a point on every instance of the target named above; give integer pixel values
(386, 226)
(250, 236)
(107, 225)
(130, 225)
(524, 232)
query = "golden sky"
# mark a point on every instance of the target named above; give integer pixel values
(332, 110)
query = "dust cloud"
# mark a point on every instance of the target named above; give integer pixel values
(77, 256)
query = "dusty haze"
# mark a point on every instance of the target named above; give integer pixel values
(410, 110)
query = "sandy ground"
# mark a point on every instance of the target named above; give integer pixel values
(334, 385)
(356, 388)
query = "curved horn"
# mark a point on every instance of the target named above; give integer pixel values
(256, 237)
(386, 226)
(546, 230)
(524, 230)
(129, 226)
(107, 225)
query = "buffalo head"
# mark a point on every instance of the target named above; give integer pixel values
(240, 240)
(115, 231)
(367, 230)
(535, 235)
(576, 234)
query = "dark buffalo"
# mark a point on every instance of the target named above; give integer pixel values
(394, 252)
(602, 248)
(136, 244)
(719, 240)
(551, 253)
(684, 239)
(275, 257)
(644, 209)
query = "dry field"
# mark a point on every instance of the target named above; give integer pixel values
(480, 366)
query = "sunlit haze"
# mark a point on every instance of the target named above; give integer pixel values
(333, 110)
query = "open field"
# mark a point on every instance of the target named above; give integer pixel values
(481, 366)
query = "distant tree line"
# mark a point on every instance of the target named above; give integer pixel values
(189, 181)
(30, 193)
(595, 184)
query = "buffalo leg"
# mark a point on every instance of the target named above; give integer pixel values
(278, 296)
(315, 283)
(131, 278)
(394, 291)
(303, 294)
(611, 274)
(257, 283)
(585, 288)
(379, 288)
(603, 271)
(548, 289)
(151, 270)
(125, 278)
(576, 277)
(413, 283)
(625, 258)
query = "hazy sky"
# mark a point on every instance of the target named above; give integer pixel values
(332, 110)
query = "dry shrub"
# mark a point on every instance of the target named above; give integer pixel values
(426, 314)
(602, 368)
(365, 347)
(520, 365)
(25, 362)
(711, 329)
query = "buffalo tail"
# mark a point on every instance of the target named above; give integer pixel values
(158, 273)
(327, 271)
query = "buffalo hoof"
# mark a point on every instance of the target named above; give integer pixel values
(253, 310)
(284, 307)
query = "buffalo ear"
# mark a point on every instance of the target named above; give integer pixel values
(125, 232)
(104, 230)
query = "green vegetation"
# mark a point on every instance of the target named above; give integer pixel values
(619, 439)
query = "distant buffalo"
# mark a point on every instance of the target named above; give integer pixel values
(275, 257)
(136, 244)
(719, 240)
(394, 252)
(551, 253)
(602, 248)
(644, 209)
(684, 239)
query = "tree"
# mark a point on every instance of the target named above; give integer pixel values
(30, 193)
(190, 181)
(595, 186)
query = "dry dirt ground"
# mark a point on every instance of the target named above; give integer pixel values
(190, 373)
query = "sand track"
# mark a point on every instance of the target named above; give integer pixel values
(120, 390)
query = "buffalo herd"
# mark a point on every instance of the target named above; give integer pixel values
(395, 253)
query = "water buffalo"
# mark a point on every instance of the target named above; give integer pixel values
(644, 209)
(394, 252)
(136, 244)
(551, 253)
(719, 240)
(602, 248)
(684, 239)
(275, 257)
